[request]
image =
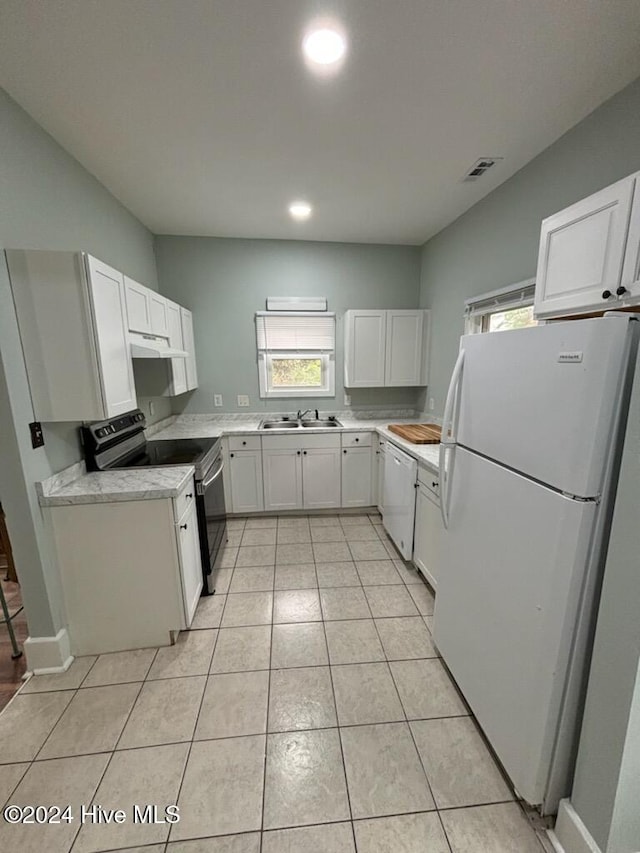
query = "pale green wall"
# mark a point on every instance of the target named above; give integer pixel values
(496, 242)
(225, 281)
(48, 202)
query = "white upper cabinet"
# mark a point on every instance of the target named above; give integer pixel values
(631, 268)
(146, 309)
(364, 348)
(108, 303)
(589, 255)
(72, 316)
(178, 368)
(405, 346)
(137, 306)
(158, 314)
(386, 348)
(186, 319)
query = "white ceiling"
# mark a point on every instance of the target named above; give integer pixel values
(200, 116)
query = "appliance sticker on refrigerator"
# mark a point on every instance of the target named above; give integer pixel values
(570, 357)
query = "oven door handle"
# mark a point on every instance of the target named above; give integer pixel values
(204, 484)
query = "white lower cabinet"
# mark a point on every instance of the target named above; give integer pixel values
(130, 571)
(301, 471)
(356, 476)
(190, 561)
(245, 475)
(321, 477)
(428, 533)
(382, 446)
(282, 473)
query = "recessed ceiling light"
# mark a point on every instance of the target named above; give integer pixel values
(325, 46)
(300, 210)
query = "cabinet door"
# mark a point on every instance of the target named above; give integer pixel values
(109, 313)
(282, 470)
(403, 364)
(190, 561)
(177, 369)
(187, 339)
(321, 477)
(631, 269)
(381, 478)
(364, 349)
(356, 476)
(137, 306)
(581, 253)
(158, 314)
(427, 539)
(245, 467)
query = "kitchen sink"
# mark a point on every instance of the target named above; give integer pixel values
(289, 424)
(279, 425)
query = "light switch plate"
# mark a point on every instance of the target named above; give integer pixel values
(152, 408)
(217, 399)
(347, 399)
(432, 404)
(243, 400)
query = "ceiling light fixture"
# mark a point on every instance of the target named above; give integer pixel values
(324, 46)
(300, 210)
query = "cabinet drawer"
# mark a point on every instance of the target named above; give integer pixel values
(429, 480)
(357, 439)
(184, 500)
(244, 442)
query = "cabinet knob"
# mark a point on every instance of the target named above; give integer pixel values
(357, 439)
(231, 455)
(344, 451)
(190, 495)
(621, 290)
(244, 442)
(183, 527)
(434, 484)
(298, 453)
(606, 294)
(304, 452)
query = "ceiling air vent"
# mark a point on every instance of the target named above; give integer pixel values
(480, 167)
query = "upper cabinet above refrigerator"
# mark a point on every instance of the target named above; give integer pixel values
(589, 255)
(72, 315)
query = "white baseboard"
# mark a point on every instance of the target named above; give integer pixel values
(570, 835)
(48, 654)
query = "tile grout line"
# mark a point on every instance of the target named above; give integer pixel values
(195, 726)
(344, 765)
(266, 733)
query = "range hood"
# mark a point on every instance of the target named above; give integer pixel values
(153, 346)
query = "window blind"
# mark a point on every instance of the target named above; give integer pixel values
(513, 296)
(299, 332)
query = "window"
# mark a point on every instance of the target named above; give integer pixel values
(508, 308)
(296, 353)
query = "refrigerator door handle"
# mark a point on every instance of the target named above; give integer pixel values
(449, 439)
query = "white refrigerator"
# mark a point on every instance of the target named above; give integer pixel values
(534, 424)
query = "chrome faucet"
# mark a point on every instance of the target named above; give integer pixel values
(302, 414)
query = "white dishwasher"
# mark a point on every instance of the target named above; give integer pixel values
(400, 471)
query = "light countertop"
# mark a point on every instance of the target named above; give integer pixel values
(75, 486)
(199, 426)
(126, 484)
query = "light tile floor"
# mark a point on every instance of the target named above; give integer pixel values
(307, 710)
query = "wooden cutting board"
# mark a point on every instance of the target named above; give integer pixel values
(418, 433)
